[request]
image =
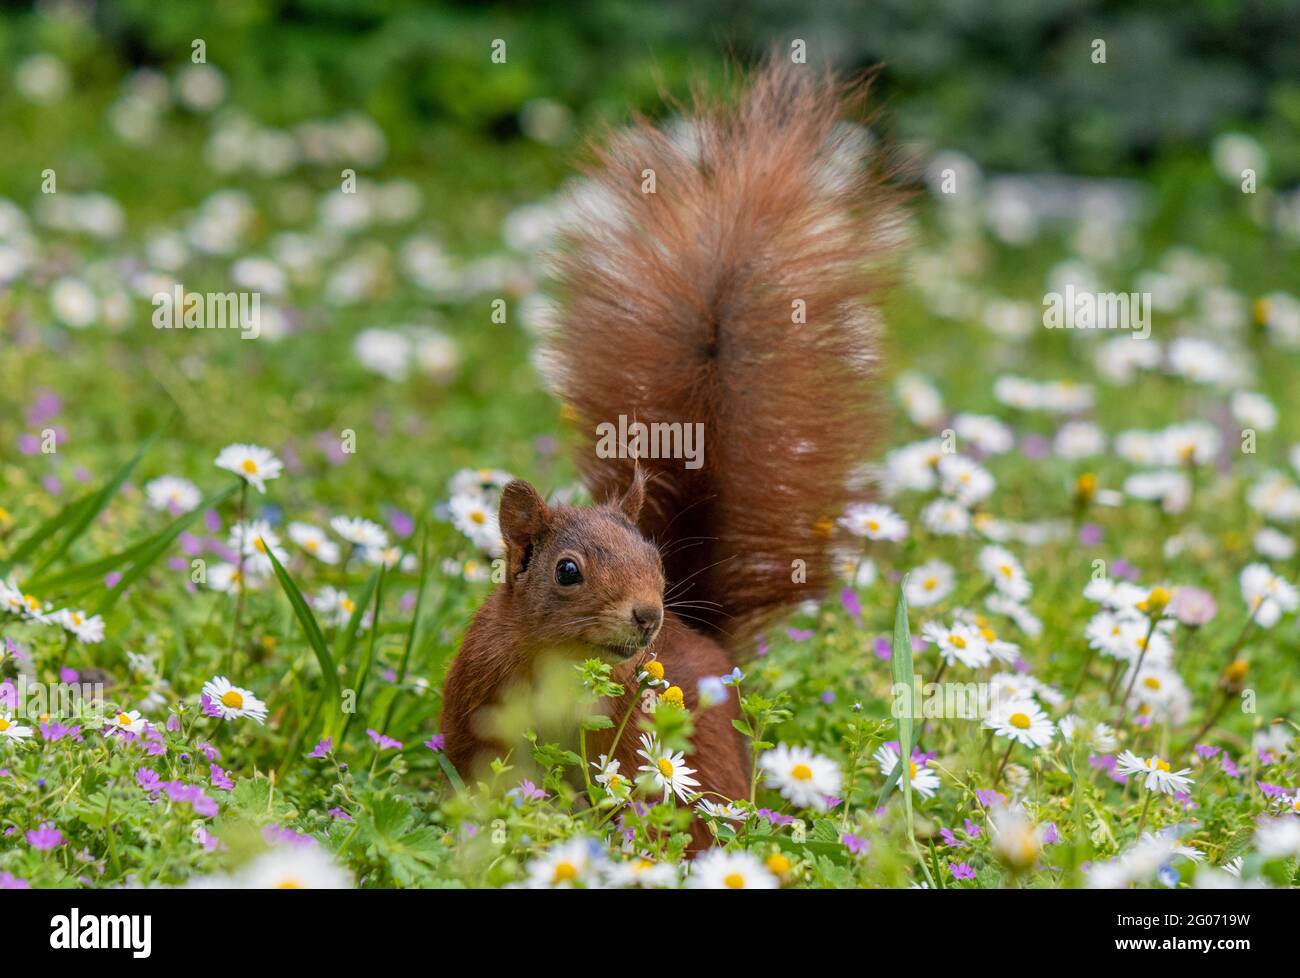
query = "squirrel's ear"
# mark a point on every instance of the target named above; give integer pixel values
(632, 500)
(523, 515)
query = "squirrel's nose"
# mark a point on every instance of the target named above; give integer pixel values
(648, 617)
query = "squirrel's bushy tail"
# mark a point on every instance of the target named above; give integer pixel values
(722, 272)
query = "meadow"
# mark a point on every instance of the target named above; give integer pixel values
(263, 551)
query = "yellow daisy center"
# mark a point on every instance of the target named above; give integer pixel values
(260, 544)
(778, 864)
(288, 884)
(665, 767)
(873, 525)
(232, 698)
(4, 724)
(1151, 682)
(347, 604)
(655, 669)
(673, 695)
(734, 881)
(1158, 764)
(957, 641)
(801, 772)
(913, 769)
(1020, 721)
(313, 545)
(249, 466)
(1006, 570)
(564, 871)
(124, 720)
(478, 516)
(930, 584)
(988, 634)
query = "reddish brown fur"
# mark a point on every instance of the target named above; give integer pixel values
(678, 309)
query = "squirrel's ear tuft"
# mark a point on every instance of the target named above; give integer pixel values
(632, 500)
(523, 516)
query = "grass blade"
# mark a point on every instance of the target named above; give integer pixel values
(310, 628)
(363, 667)
(415, 622)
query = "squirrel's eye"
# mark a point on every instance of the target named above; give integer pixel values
(567, 573)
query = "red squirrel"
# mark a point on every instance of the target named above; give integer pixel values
(725, 280)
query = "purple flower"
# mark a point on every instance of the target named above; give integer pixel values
(1050, 835)
(44, 408)
(828, 697)
(192, 795)
(219, 778)
(961, 871)
(9, 694)
(526, 791)
(1206, 750)
(1229, 767)
(8, 881)
(67, 675)
(883, 649)
(760, 646)
(45, 837)
(208, 751)
(854, 844)
(340, 814)
(207, 840)
(323, 748)
(278, 835)
(775, 818)
(148, 779)
(972, 829)
(209, 708)
(436, 742)
(402, 523)
(112, 579)
(55, 731)
(173, 723)
(800, 634)
(1272, 790)
(950, 838)
(1122, 568)
(384, 741)
(988, 798)
(1265, 758)
(852, 606)
(1090, 534)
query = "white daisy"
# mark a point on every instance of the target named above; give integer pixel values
(313, 540)
(924, 781)
(575, 863)
(1278, 838)
(1005, 571)
(233, 702)
(252, 463)
(86, 628)
(929, 584)
(803, 778)
(959, 643)
(966, 481)
(335, 605)
(875, 522)
(945, 517)
(725, 869)
(359, 532)
(1100, 737)
(1022, 721)
(12, 730)
(131, 721)
(727, 811)
(641, 873)
(1156, 772)
(174, 494)
(255, 539)
(1268, 596)
(607, 776)
(305, 867)
(473, 516)
(667, 769)
(227, 578)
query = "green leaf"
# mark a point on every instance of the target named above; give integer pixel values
(597, 721)
(158, 546)
(329, 675)
(77, 516)
(93, 571)
(376, 584)
(744, 728)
